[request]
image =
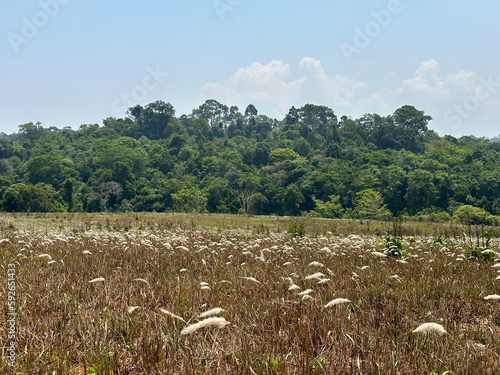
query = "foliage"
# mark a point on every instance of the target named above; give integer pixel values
(370, 205)
(394, 247)
(189, 200)
(296, 228)
(330, 209)
(218, 159)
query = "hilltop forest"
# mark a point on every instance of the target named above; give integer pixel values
(218, 159)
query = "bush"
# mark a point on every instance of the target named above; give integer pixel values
(394, 247)
(296, 229)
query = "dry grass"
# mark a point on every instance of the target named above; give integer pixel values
(71, 326)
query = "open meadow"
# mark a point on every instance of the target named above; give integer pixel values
(221, 294)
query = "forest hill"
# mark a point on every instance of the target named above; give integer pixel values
(217, 159)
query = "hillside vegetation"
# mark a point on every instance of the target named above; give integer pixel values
(220, 160)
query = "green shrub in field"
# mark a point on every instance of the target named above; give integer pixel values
(483, 251)
(296, 229)
(394, 247)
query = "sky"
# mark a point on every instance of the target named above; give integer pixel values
(73, 62)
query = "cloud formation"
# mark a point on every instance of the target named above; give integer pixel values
(258, 84)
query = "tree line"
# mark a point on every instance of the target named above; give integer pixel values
(219, 159)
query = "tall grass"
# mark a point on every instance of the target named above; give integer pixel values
(71, 326)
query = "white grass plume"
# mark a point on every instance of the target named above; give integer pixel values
(488, 251)
(293, 287)
(395, 277)
(86, 252)
(132, 309)
(492, 297)
(430, 328)
(97, 280)
(307, 291)
(325, 250)
(214, 311)
(209, 322)
(166, 312)
(316, 264)
(336, 301)
(251, 279)
(317, 275)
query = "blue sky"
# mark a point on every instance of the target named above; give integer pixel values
(73, 62)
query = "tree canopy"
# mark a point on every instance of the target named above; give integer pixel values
(217, 159)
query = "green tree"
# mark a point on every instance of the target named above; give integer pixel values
(410, 118)
(421, 192)
(153, 118)
(49, 169)
(292, 200)
(370, 205)
(282, 154)
(330, 209)
(26, 198)
(212, 111)
(189, 200)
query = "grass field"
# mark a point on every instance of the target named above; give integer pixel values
(123, 294)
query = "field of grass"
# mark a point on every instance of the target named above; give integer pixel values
(113, 294)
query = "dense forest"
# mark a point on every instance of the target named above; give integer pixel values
(218, 159)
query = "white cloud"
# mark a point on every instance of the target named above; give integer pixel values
(428, 81)
(270, 86)
(336, 90)
(258, 84)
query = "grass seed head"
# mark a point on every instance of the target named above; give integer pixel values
(307, 291)
(492, 297)
(316, 264)
(209, 322)
(214, 311)
(336, 301)
(99, 279)
(166, 312)
(317, 275)
(430, 328)
(251, 279)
